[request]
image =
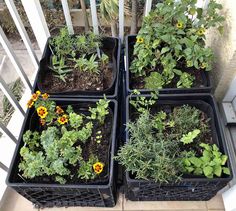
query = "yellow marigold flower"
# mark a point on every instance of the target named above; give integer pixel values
(30, 103)
(45, 96)
(98, 167)
(140, 40)
(201, 31)
(38, 93)
(203, 65)
(59, 110)
(189, 64)
(34, 97)
(42, 111)
(63, 119)
(180, 25)
(42, 122)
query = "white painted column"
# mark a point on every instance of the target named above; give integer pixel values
(37, 21)
(20, 26)
(94, 16)
(148, 7)
(67, 15)
(121, 20)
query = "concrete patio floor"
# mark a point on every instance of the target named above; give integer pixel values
(12, 201)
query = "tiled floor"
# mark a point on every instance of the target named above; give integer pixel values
(12, 201)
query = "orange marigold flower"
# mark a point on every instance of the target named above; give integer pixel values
(42, 122)
(42, 112)
(139, 40)
(38, 93)
(45, 96)
(63, 119)
(34, 97)
(30, 103)
(59, 110)
(98, 167)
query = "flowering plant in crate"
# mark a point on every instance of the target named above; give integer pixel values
(67, 145)
(170, 49)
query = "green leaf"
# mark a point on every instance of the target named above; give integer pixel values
(226, 170)
(199, 13)
(221, 30)
(164, 50)
(223, 159)
(187, 162)
(177, 72)
(189, 169)
(198, 171)
(195, 161)
(218, 170)
(208, 171)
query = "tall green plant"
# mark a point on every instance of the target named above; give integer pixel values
(109, 11)
(172, 39)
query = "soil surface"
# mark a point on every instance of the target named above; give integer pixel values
(80, 80)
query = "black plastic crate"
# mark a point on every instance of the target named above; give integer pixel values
(49, 195)
(130, 42)
(111, 92)
(190, 188)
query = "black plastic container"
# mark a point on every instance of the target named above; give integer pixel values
(130, 42)
(50, 195)
(111, 92)
(189, 188)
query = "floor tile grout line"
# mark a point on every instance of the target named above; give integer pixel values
(123, 201)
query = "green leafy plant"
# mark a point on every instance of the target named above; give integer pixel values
(59, 68)
(186, 81)
(171, 42)
(88, 43)
(210, 163)
(188, 138)
(76, 120)
(100, 111)
(141, 103)
(62, 45)
(86, 169)
(154, 81)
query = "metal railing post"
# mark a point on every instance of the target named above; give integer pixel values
(7, 132)
(20, 26)
(8, 49)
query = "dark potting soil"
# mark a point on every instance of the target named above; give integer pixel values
(90, 147)
(80, 80)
